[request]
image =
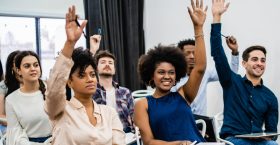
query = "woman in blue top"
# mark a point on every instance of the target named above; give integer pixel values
(165, 118)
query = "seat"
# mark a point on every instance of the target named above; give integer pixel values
(218, 122)
(141, 93)
(203, 123)
(131, 138)
(3, 139)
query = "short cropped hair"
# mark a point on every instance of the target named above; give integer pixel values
(103, 53)
(184, 42)
(245, 55)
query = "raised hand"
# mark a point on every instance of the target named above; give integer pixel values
(232, 44)
(73, 31)
(218, 8)
(94, 43)
(197, 14)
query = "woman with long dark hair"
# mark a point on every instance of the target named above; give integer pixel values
(27, 121)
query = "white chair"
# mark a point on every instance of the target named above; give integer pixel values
(200, 121)
(218, 122)
(131, 138)
(141, 93)
(3, 139)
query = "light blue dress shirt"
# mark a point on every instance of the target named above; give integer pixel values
(199, 105)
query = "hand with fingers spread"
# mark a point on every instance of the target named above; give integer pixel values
(232, 44)
(94, 43)
(197, 13)
(218, 8)
(73, 31)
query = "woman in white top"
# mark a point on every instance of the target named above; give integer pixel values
(28, 124)
(79, 121)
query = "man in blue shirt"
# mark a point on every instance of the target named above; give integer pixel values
(248, 104)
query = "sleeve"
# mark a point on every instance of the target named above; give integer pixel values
(130, 106)
(271, 119)
(212, 73)
(219, 56)
(3, 89)
(56, 93)
(118, 134)
(234, 65)
(16, 135)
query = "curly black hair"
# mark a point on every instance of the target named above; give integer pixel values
(184, 42)
(147, 63)
(82, 59)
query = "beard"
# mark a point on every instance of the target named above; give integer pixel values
(106, 75)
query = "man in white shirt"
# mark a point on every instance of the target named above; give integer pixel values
(199, 105)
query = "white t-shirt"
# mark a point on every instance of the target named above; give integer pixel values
(26, 117)
(111, 98)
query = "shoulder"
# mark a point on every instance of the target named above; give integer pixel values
(269, 93)
(13, 96)
(124, 89)
(141, 103)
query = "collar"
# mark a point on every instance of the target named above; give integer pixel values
(245, 79)
(115, 85)
(78, 105)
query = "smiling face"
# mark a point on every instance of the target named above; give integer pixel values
(83, 84)
(30, 70)
(255, 66)
(164, 76)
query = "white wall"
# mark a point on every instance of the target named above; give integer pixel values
(42, 8)
(251, 22)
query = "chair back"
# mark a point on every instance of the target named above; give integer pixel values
(218, 122)
(203, 123)
(141, 93)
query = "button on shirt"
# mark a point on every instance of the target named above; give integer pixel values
(70, 122)
(246, 107)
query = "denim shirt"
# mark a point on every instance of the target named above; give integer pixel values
(246, 107)
(124, 101)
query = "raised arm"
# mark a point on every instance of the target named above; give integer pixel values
(217, 50)
(55, 94)
(94, 43)
(198, 16)
(233, 46)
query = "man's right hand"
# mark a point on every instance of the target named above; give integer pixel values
(232, 44)
(94, 43)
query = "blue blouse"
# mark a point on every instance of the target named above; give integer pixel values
(171, 119)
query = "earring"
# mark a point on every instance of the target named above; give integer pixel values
(152, 83)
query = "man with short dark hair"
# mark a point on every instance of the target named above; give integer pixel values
(248, 104)
(110, 93)
(199, 105)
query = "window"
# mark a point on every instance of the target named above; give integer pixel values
(16, 33)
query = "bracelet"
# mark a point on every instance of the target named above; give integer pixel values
(199, 35)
